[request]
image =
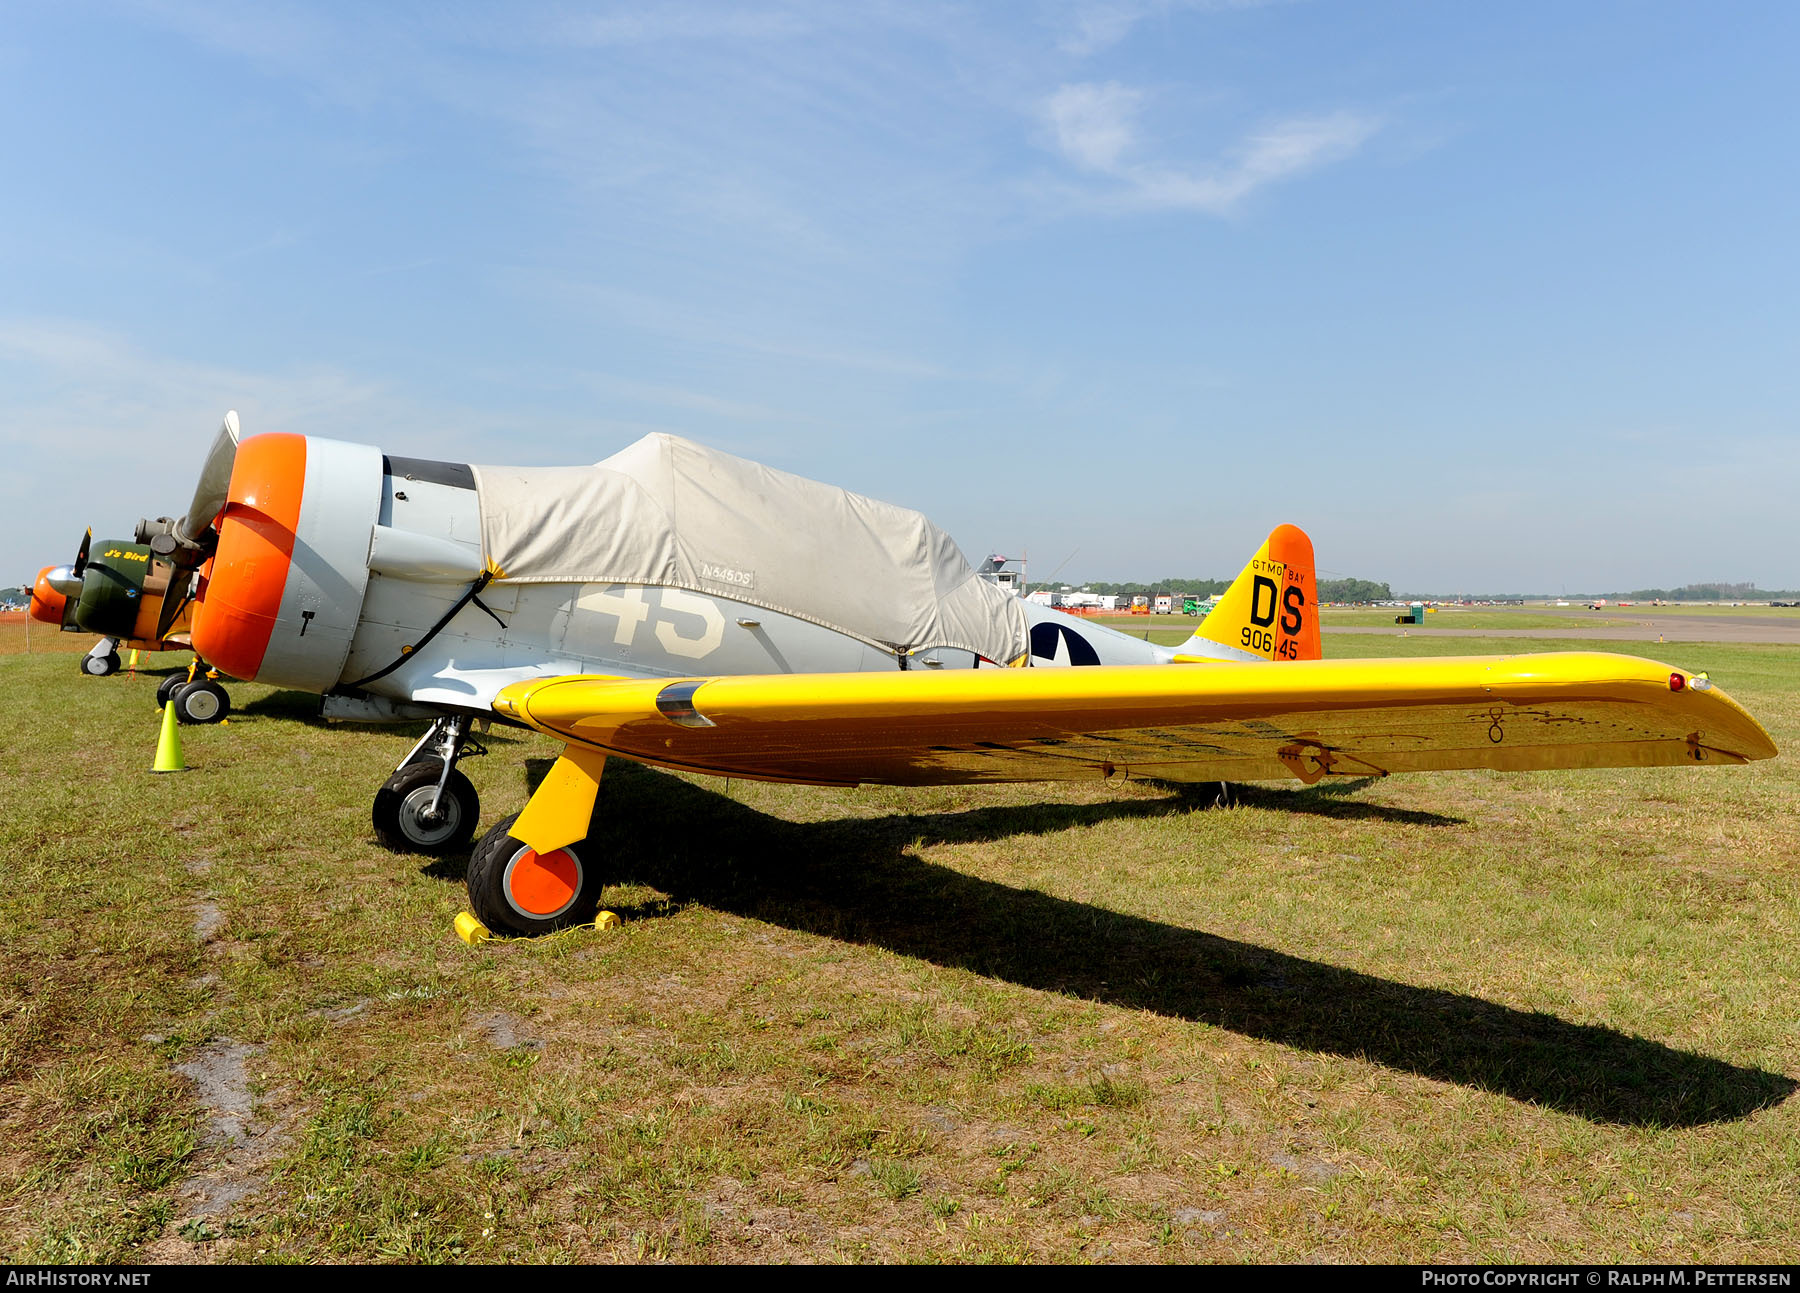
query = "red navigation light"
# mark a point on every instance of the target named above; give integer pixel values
(1677, 682)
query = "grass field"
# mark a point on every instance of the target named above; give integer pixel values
(1544, 1017)
(1471, 619)
(1644, 609)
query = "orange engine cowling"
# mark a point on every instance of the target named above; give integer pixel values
(284, 592)
(47, 605)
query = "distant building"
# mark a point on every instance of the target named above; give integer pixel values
(1080, 599)
(995, 571)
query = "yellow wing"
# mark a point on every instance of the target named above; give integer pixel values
(1220, 722)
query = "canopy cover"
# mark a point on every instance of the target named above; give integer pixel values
(667, 511)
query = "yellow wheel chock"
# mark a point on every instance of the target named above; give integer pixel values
(474, 933)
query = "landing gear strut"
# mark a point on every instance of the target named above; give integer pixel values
(427, 806)
(103, 659)
(196, 695)
(201, 701)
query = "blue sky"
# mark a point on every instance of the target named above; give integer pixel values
(1483, 296)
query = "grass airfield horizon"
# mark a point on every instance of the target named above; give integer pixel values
(1461, 1017)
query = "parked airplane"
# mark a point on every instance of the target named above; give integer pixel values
(685, 608)
(123, 599)
(129, 617)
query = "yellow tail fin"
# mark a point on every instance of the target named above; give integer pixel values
(1270, 612)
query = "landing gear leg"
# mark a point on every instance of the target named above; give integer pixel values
(428, 806)
(198, 697)
(103, 659)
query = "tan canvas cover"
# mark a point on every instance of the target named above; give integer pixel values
(668, 511)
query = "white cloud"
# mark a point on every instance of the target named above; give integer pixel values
(1095, 126)
(1095, 25)
(1279, 152)
(684, 22)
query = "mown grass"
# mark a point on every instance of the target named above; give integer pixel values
(1736, 609)
(1455, 618)
(1542, 1017)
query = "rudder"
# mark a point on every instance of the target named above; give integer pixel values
(1270, 612)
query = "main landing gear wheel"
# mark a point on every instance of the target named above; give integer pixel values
(166, 689)
(405, 821)
(98, 666)
(202, 701)
(512, 888)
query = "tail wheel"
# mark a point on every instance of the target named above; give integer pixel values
(203, 701)
(403, 817)
(98, 666)
(513, 887)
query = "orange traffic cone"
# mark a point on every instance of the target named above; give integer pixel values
(168, 745)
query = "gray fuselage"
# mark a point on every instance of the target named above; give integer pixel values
(520, 630)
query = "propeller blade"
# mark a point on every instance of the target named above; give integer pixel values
(81, 557)
(214, 484)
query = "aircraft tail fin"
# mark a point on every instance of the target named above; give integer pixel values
(1270, 612)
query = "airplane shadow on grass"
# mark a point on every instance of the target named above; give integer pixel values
(855, 880)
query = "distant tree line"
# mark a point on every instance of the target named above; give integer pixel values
(1353, 590)
(1708, 593)
(1689, 593)
(1330, 590)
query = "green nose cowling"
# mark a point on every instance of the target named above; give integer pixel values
(112, 588)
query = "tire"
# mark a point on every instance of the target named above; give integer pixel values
(512, 890)
(166, 689)
(99, 666)
(405, 798)
(201, 701)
